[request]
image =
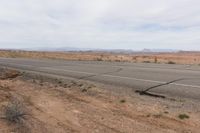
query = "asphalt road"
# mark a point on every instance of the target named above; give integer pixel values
(172, 80)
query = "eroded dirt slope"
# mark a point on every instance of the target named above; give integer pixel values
(85, 108)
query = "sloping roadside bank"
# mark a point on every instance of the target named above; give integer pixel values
(67, 105)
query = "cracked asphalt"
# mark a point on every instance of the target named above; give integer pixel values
(169, 80)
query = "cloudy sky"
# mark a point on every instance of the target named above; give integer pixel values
(126, 24)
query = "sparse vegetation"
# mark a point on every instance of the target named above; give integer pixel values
(157, 115)
(171, 62)
(155, 60)
(84, 90)
(117, 60)
(99, 59)
(9, 74)
(15, 111)
(146, 62)
(183, 116)
(178, 58)
(166, 112)
(148, 115)
(122, 101)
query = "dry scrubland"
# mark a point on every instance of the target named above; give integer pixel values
(33, 104)
(169, 58)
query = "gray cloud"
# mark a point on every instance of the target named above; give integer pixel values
(134, 24)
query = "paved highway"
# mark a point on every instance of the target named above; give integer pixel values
(172, 80)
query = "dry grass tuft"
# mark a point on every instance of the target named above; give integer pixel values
(15, 111)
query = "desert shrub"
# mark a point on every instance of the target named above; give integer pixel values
(15, 111)
(117, 60)
(99, 59)
(146, 62)
(122, 101)
(171, 62)
(155, 60)
(183, 116)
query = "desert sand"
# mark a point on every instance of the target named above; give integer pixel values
(167, 58)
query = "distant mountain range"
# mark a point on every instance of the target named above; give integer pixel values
(55, 49)
(160, 50)
(72, 49)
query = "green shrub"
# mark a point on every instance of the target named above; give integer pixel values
(183, 116)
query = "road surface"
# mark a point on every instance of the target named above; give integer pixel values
(172, 80)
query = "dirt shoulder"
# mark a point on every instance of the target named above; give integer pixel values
(74, 106)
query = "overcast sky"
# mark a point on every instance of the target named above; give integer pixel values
(120, 24)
